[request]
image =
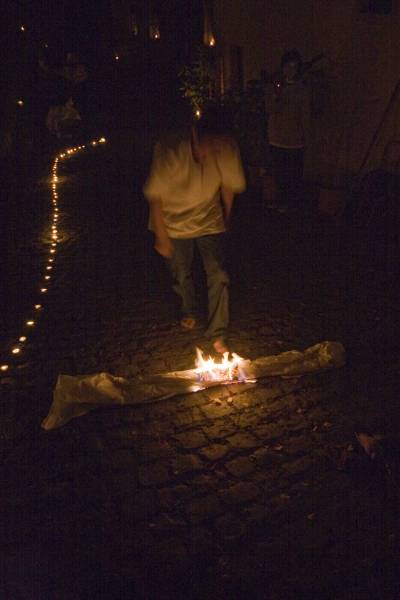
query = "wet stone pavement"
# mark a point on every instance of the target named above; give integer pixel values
(245, 491)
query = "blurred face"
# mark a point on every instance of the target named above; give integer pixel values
(290, 70)
(201, 148)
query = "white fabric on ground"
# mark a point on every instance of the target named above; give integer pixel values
(76, 395)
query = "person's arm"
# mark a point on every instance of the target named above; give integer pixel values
(154, 189)
(306, 116)
(232, 176)
(227, 197)
(162, 243)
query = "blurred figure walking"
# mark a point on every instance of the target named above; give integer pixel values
(194, 177)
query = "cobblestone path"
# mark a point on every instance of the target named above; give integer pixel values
(247, 491)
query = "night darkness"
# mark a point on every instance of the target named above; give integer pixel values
(273, 186)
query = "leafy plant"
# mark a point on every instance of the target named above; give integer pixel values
(243, 111)
(197, 80)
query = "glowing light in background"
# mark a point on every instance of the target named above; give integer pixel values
(54, 236)
(208, 25)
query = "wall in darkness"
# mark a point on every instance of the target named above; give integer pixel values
(239, 29)
(180, 28)
(361, 68)
(241, 25)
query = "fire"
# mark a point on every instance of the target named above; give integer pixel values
(235, 369)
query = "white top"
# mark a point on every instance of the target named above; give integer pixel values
(190, 191)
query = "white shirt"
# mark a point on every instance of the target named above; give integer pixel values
(190, 191)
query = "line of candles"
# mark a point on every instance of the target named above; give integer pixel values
(55, 240)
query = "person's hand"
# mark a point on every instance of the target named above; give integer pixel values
(164, 247)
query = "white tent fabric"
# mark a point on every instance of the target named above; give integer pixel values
(77, 395)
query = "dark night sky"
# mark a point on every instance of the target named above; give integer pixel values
(86, 25)
(64, 25)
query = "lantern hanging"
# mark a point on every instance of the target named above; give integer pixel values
(154, 25)
(133, 24)
(208, 29)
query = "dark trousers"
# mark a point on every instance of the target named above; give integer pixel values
(213, 255)
(288, 166)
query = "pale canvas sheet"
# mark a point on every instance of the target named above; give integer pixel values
(76, 395)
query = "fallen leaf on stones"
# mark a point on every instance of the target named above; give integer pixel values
(327, 424)
(278, 448)
(311, 516)
(369, 443)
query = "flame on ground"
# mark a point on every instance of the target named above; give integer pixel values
(235, 369)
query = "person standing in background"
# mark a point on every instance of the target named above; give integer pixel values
(288, 113)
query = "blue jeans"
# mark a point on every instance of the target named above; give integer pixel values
(212, 252)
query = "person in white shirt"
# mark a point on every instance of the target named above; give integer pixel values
(190, 189)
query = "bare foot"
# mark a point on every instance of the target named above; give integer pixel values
(220, 346)
(188, 323)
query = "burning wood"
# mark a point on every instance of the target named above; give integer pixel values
(229, 370)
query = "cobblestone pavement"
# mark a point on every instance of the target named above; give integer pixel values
(247, 491)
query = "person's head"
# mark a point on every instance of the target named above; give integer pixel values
(175, 115)
(291, 64)
(207, 132)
